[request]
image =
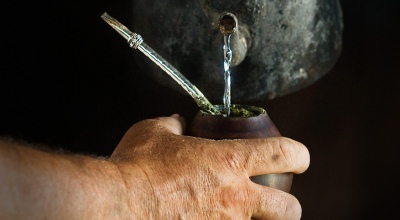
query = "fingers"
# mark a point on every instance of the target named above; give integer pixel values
(270, 203)
(259, 156)
(272, 155)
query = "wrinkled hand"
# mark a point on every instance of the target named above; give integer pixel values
(183, 177)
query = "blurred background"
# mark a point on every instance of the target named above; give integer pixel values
(69, 81)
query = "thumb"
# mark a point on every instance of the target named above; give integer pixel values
(175, 123)
(142, 131)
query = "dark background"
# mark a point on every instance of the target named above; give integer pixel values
(69, 81)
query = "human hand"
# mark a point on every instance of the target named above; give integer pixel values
(171, 176)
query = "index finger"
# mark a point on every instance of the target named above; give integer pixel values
(272, 155)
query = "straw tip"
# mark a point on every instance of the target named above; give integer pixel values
(105, 16)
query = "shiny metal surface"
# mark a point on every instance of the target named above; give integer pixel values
(288, 45)
(136, 42)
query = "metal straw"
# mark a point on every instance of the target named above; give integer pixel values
(135, 41)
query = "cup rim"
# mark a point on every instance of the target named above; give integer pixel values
(239, 111)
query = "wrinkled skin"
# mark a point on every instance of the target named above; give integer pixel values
(154, 173)
(288, 44)
(194, 178)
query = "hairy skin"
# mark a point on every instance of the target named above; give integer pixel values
(154, 173)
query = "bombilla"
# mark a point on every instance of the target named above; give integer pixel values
(135, 41)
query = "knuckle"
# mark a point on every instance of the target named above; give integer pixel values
(295, 154)
(233, 160)
(286, 150)
(234, 199)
